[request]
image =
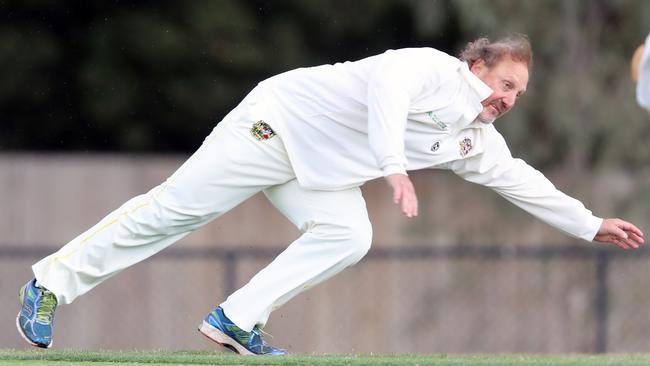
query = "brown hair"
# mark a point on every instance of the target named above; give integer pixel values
(517, 47)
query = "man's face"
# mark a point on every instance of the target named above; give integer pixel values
(507, 79)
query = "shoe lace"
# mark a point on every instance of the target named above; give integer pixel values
(45, 310)
(262, 332)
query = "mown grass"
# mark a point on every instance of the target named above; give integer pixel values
(122, 358)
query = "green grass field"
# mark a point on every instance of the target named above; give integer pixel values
(113, 358)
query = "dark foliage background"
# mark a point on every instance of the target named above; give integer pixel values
(156, 76)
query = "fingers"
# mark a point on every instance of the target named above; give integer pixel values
(406, 199)
(620, 243)
(636, 238)
(613, 239)
(620, 233)
(404, 194)
(409, 202)
(625, 243)
(632, 242)
(629, 228)
(397, 193)
(627, 235)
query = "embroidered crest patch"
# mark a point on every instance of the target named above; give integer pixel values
(262, 131)
(465, 146)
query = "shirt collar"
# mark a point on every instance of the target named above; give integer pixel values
(482, 90)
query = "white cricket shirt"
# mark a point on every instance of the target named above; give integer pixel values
(406, 109)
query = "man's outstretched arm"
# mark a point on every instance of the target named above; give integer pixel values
(530, 190)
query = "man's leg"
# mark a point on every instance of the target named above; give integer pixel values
(337, 234)
(228, 168)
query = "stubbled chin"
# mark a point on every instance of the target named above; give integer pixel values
(486, 119)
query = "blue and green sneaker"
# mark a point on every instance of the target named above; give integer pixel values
(222, 330)
(36, 317)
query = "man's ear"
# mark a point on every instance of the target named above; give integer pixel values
(478, 66)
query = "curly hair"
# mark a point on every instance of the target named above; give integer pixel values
(517, 47)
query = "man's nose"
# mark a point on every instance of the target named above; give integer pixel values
(509, 101)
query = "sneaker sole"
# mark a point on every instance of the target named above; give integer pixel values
(221, 338)
(22, 334)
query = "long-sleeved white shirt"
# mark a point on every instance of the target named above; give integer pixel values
(406, 109)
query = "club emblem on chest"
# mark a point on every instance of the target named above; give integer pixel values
(262, 131)
(465, 146)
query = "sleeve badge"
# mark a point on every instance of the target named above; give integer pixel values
(262, 131)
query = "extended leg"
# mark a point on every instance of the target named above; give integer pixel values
(228, 168)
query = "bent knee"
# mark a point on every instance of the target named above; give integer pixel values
(363, 239)
(355, 238)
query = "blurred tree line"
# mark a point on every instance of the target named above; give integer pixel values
(156, 76)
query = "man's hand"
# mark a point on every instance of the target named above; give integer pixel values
(404, 194)
(621, 233)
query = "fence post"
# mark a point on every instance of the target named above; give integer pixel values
(602, 301)
(230, 269)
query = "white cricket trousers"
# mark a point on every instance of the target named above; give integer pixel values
(229, 167)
